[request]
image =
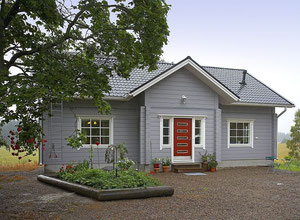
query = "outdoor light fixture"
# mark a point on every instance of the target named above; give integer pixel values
(183, 99)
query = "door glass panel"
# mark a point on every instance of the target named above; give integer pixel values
(182, 144)
(182, 131)
(197, 140)
(166, 122)
(182, 123)
(166, 131)
(182, 151)
(182, 137)
(166, 140)
(197, 123)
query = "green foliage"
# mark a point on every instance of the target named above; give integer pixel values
(52, 51)
(76, 140)
(71, 169)
(294, 165)
(294, 143)
(125, 164)
(166, 162)
(101, 179)
(155, 160)
(205, 156)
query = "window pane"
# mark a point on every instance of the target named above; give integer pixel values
(105, 131)
(246, 140)
(232, 125)
(239, 125)
(197, 131)
(87, 140)
(246, 132)
(85, 131)
(95, 123)
(94, 140)
(85, 123)
(240, 140)
(105, 123)
(165, 140)
(197, 140)
(232, 140)
(197, 123)
(246, 126)
(166, 122)
(240, 133)
(104, 140)
(95, 131)
(232, 133)
(166, 131)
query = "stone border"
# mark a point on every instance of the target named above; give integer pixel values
(111, 194)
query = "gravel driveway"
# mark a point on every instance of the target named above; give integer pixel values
(237, 193)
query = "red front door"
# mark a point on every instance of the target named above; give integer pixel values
(182, 137)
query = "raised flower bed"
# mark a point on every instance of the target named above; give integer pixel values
(105, 185)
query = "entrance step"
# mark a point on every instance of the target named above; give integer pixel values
(188, 168)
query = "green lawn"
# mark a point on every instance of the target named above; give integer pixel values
(9, 162)
(282, 152)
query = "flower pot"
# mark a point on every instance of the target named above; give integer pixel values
(213, 169)
(156, 165)
(205, 165)
(156, 170)
(166, 169)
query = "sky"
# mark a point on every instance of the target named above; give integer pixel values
(262, 37)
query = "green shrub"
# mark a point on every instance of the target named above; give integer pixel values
(101, 179)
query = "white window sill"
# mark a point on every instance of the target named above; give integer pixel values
(240, 146)
(199, 146)
(165, 147)
(95, 146)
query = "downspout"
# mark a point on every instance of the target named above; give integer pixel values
(284, 110)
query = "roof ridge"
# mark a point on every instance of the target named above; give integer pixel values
(216, 67)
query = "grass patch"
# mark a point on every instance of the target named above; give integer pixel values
(283, 151)
(9, 162)
(294, 166)
(5, 178)
(101, 179)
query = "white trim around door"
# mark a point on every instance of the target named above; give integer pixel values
(200, 139)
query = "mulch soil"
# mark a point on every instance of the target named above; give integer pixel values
(235, 193)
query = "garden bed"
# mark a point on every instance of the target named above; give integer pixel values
(109, 194)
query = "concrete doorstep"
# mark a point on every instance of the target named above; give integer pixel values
(110, 194)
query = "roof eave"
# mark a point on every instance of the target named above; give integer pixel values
(262, 104)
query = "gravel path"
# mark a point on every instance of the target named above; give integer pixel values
(237, 193)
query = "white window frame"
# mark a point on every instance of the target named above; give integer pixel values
(161, 134)
(97, 117)
(202, 132)
(250, 144)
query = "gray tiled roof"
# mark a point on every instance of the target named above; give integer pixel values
(253, 92)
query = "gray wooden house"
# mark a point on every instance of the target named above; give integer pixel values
(177, 111)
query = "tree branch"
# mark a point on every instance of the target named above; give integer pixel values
(12, 12)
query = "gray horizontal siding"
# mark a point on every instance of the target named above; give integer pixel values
(263, 132)
(165, 98)
(126, 129)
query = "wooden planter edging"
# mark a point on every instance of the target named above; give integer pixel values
(110, 194)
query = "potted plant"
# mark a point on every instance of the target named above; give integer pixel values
(166, 164)
(204, 159)
(212, 164)
(156, 162)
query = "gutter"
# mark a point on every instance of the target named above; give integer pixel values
(284, 110)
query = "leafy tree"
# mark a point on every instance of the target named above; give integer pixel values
(54, 50)
(294, 143)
